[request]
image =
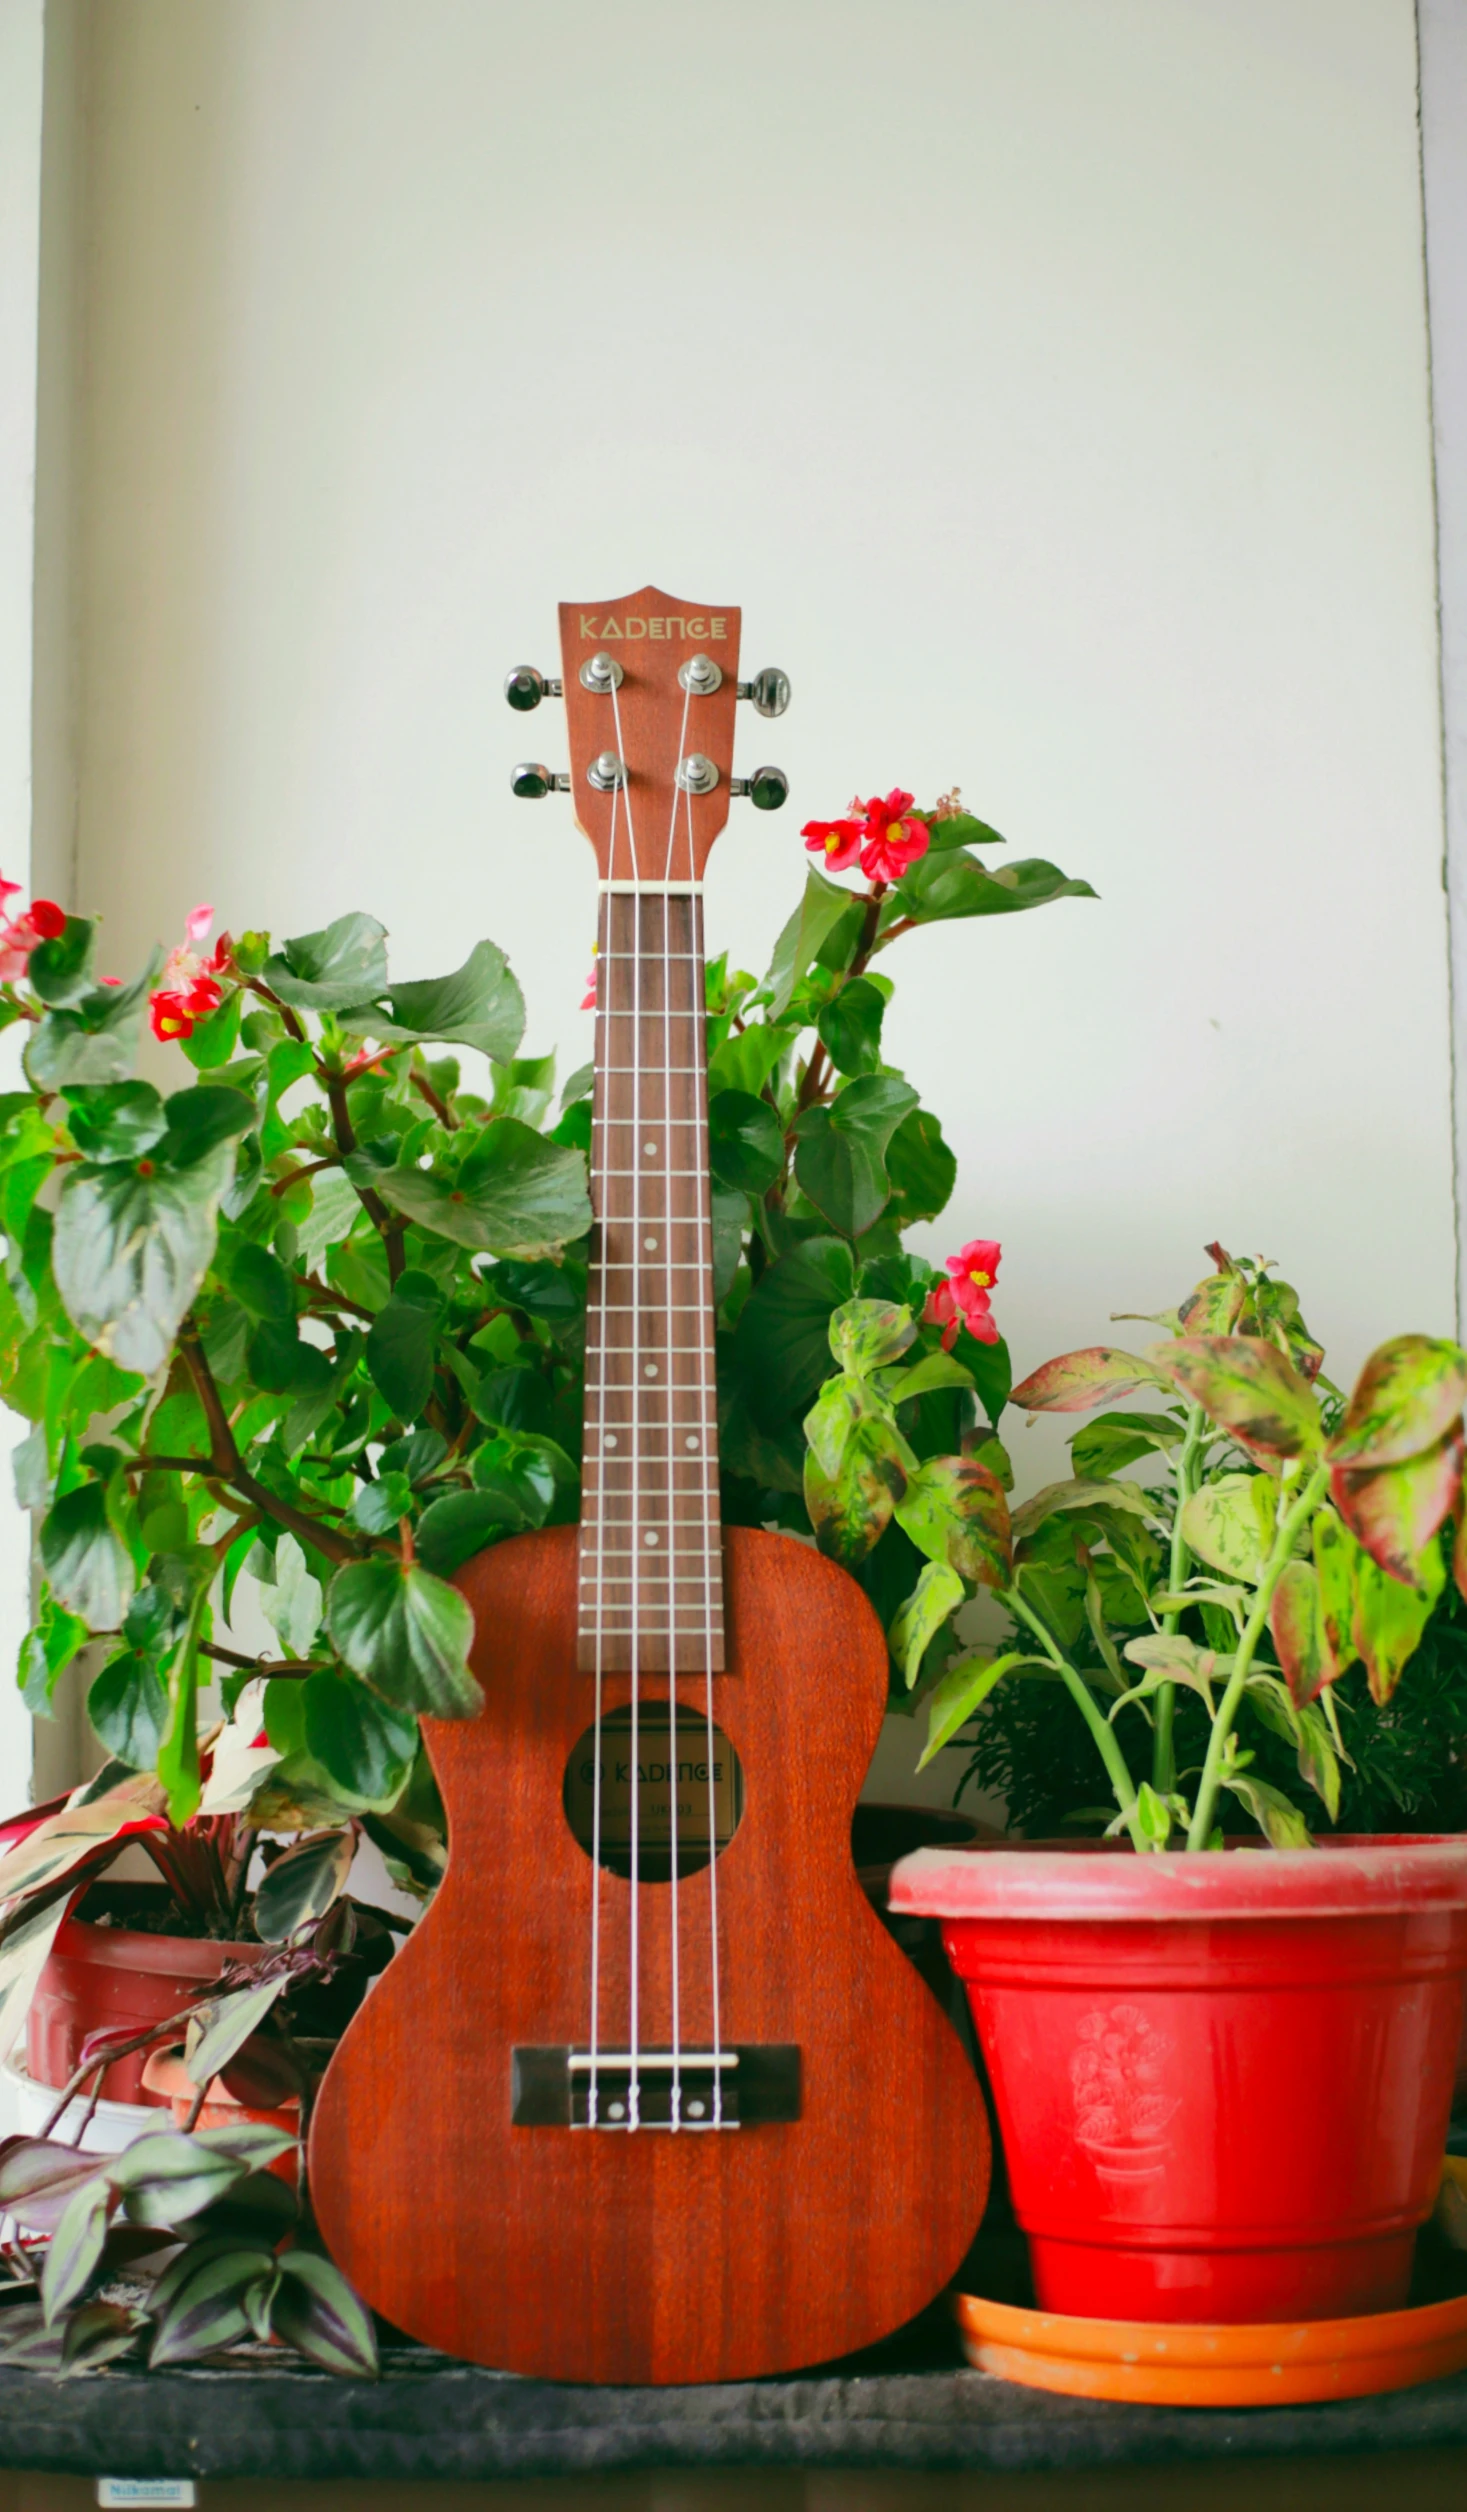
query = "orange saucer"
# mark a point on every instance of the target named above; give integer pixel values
(1200, 2364)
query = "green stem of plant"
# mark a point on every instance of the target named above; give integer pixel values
(1163, 1750)
(1296, 1515)
(1107, 1742)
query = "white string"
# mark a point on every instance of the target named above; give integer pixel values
(671, 1423)
(705, 1217)
(603, 1010)
(634, 2089)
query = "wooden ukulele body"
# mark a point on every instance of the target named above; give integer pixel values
(592, 2255)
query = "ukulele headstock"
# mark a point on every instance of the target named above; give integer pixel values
(650, 686)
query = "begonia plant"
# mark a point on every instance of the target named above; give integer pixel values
(308, 1330)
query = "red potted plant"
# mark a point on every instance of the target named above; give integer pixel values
(1223, 2080)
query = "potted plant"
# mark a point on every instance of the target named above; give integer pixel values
(1223, 2081)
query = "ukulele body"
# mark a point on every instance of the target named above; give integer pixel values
(709, 2254)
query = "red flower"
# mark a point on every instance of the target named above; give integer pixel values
(42, 921)
(963, 1299)
(839, 841)
(588, 999)
(190, 988)
(890, 839)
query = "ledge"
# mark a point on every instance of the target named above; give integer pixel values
(432, 2418)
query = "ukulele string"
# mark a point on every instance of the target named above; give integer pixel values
(703, 1191)
(605, 1060)
(669, 1233)
(634, 2086)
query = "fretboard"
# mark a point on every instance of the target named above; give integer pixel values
(651, 1565)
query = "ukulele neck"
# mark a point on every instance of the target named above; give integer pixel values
(651, 1562)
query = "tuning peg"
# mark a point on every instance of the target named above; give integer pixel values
(530, 780)
(525, 688)
(770, 691)
(767, 788)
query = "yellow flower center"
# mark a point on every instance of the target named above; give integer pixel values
(833, 842)
(983, 1280)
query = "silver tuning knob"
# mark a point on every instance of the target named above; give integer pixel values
(606, 772)
(770, 691)
(530, 780)
(767, 788)
(601, 675)
(525, 688)
(696, 774)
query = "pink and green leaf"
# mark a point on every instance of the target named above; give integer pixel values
(1249, 1389)
(1078, 1381)
(1407, 1398)
(1395, 1510)
(956, 1511)
(1390, 1619)
(1296, 1619)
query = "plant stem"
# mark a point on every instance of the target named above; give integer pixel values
(1163, 1750)
(391, 1227)
(1295, 1516)
(1106, 1740)
(228, 1466)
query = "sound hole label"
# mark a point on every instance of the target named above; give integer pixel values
(671, 1793)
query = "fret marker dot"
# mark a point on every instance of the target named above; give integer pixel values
(693, 1445)
(651, 1246)
(649, 1151)
(651, 1370)
(650, 1537)
(610, 1439)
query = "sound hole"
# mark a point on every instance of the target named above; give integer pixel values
(661, 1792)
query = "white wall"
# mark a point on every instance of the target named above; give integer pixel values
(1049, 383)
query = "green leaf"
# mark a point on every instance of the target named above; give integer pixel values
(542, 1290)
(1395, 1510)
(1296, 1619)
(962, 1691)
(480, 1005)
(334, 969)
(746, 1060)
(380, 1507)
(457, 1527)
(1153, 1814)
(850, 1027)
(85, 1559)
(60, 970)
(116, 1121)
(1336, 1554)
(76, 2247)
(916, 1624)
(95, 1040)
(955, 1511)
(128, 1709)
(275, 1358)
(1058, 1498)
(1249, 1389)
(1229, 1524)
(1319, 1763)
(851, 1508)
(212, 1041)
(46, 1651)
(178, 1754)
(292, 1605)
(1116, 1440)
(365, 1748)
(839, 1151)
(208, 2308)
(821, 908)
(316, 2312)
(304, 1883)
(219, 2029)
(961, 828)
(130, 1252)
(946, 882)
(516, 1194)
(1078, 1381)
(1407, 1398)
(406, 1633)
(1390, 1618)
(202, 1118)
(781, 1342)
(745, 1142)
(934, 1372)
(867, 1335)
(401, 1344)
(1169, 1657)
(261, 1284)
(920, 1169)
(1283, 1825)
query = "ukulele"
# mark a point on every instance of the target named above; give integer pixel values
(650, 2094)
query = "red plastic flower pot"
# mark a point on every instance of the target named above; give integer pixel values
(1223, 2081)
(100, 1978)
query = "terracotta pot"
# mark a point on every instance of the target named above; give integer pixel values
(110, 1977)
(1223, 2081)
(165, 2077)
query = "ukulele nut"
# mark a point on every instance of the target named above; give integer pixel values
(696, 774)
(601, 675)
(606, 772)
(525, 687)
(700, 676)
(767, 788)
(769, 690)
(532, 778)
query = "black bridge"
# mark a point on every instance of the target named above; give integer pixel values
(746, 2085)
